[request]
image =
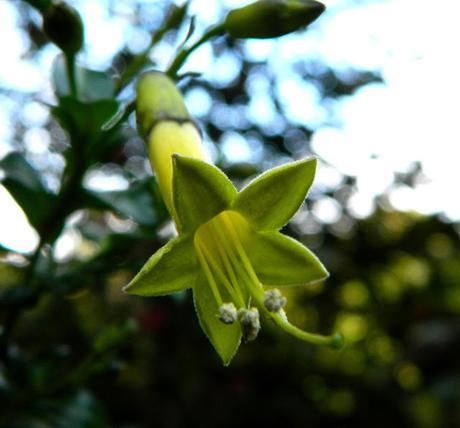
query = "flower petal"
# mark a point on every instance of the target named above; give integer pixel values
(200, 191)
(172, 268)
(280, 260)
(274, 197)
(225, 338)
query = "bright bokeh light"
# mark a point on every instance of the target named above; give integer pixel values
(15, 231)
(382, 129)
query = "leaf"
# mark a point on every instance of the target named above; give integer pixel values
(281, 260)
(114, 335)
(200, 191)
(92, 85)
(274, 197)
(172, 268)
(82, 119)
(225, 338)
(23, 183)
(136, 202)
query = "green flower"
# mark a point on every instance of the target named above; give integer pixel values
(229, 248)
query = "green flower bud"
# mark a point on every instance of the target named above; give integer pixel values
(64, 27)
(158, 99)
(272, 18)
(163, 120)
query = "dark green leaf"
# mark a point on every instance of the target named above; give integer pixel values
(24, 184)
(84, 120)
(136, 202)
(92, 85)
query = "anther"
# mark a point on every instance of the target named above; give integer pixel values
(274, 300)
(250, 323)
(227, 313)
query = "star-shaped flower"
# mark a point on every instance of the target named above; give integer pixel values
(228, 248)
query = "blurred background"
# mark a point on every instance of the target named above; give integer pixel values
(371, 89)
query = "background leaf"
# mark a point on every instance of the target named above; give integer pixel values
(136, 202)
(92, 85)
(24, 184)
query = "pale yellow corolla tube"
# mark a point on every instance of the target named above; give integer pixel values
(163, 120)
(167, 138)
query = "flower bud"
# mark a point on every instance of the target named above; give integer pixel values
(250, 323)
(163, 119)
(64, 27)
(274, 300)
(228, 313)
(272, 18)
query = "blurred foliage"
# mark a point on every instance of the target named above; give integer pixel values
(76, 352)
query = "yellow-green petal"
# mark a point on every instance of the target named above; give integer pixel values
(225, 338)
(269, 201)
(171, 269)
(200, 192)
(280, 260)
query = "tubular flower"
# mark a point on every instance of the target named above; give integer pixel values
(228, 247)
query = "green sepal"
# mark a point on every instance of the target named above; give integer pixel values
(280, 260)
(200, 192)
(274, 197)
(225, 338)
(171, 269)
(157, 99)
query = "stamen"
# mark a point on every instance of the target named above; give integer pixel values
(207, 272)
(228, 313)
(225, 256)
(250, 323)
(274, 300)
(218, 271)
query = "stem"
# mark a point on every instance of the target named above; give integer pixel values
(184, 53)
(70, 64)
(48, 234)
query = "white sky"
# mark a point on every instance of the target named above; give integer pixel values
(382, 129)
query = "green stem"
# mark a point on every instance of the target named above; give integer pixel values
(48, 234)
(70, 65)
(208, 273)
(334, 340)
(182, 56)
